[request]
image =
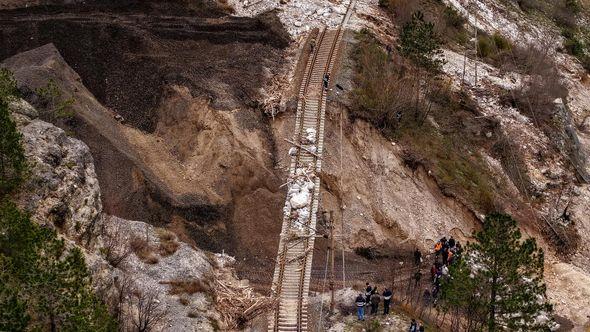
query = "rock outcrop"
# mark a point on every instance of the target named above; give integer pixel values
(132, 263)
(62, 189)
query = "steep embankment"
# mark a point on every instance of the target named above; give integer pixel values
(192, 153)
(145, 275)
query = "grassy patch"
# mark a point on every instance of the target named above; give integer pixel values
(493, 46)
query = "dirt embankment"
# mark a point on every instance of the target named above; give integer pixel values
(126, 54)
(193, 154)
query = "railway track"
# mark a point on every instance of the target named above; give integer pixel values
(292, 274)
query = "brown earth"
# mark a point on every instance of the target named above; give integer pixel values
(193, 154)
(126, 55)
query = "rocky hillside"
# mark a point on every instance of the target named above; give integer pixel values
(144, 273)
(185, 109)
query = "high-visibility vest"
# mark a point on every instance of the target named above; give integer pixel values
(437, 246)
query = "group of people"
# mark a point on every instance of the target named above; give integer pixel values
(372, 299)
(449, 251)
(446, 252)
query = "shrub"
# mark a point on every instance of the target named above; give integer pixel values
(500, 42)
(57, 107)
(530, 5)
(492, 47)
(143, 250)
(573, 6)
(453, 18)
(190, 287)
(382, 93)
(168, 244)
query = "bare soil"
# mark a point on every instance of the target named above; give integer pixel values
(126, 51)
(194, 153)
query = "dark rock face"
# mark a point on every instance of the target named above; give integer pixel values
(127, 52)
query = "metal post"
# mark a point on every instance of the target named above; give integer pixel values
(332, 254)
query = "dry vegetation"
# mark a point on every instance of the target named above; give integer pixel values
(438, 128)
(168, 242)
(566, 15)
(188, 286)
(144, 250)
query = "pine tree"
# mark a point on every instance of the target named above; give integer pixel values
(12, 157)
(420, 43)
(506, 274)
(13, 316)
(50, 279)
(460, 294)
(7, 85)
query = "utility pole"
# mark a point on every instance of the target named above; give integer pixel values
(332, 254)
(476, 42)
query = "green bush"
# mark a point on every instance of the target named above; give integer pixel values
(501, 43)
(573, 6)
(485, 47)
(57, 107)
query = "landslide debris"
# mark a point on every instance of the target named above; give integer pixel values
(127, 52)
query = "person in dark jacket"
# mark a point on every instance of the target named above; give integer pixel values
(417, 277)
(375, 299)
(360, 307)
(413, 326)
(445, 255)
(387, 294)
(417, 257)
(368, 292)
(451, 242)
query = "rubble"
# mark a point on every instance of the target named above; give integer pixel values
(298, 205)
(298, 16)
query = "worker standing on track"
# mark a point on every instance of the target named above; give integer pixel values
(387, 294)
(360, 307)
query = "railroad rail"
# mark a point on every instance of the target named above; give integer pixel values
(292, 275)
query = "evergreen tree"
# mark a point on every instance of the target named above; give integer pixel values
(50, 279)
(7, 85)
(506, 274)
(460, 294)
(420, 43)
(12, 157)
